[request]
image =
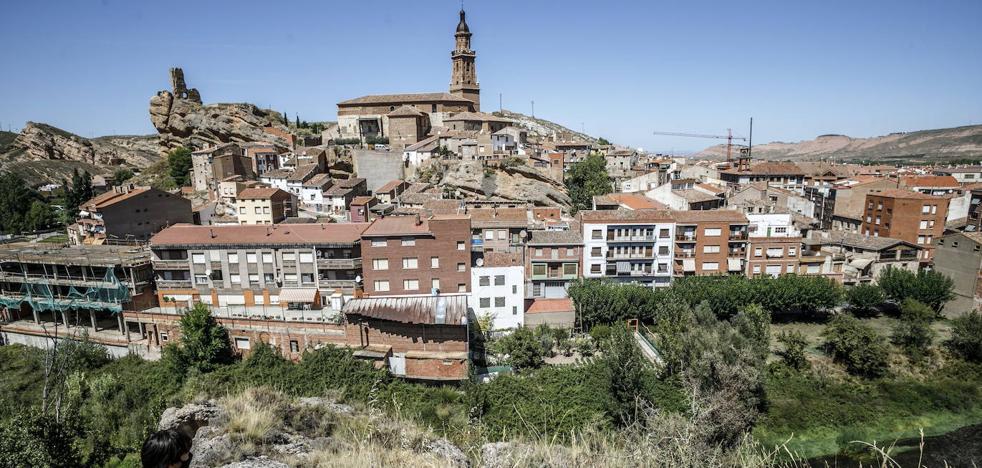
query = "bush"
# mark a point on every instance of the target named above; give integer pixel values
(966, 336)
(913, 333)
(857, 346)
(523, 348)
(600, 334)
(865, 299)
(204, 342)
(793, 353)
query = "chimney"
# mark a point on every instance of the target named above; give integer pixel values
(419, 220)
(211, 232)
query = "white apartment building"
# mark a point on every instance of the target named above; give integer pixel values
(629, 246)
(498, 289)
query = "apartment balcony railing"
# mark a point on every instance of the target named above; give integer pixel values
(553, 276)
(685, 237)
(182, 284)
(685, 254)
(630, 256)
(337, 284)
(171, 264)
(96, 282)
(738, 235)
(339, 263)
(638, 238)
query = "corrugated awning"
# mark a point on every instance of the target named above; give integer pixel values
(305, 295)
(623, 267)
(860, 263)
(438, 310)
(734, 264)
(689, 264)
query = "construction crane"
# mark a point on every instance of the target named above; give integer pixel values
(728, 137)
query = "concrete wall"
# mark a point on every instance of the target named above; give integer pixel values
(378, 167)
(961, 263)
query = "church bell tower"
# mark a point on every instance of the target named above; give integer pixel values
(463, 78)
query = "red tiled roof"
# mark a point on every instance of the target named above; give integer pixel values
(929, 181)
(264, 193)
(545, 306)
(695, 216)
(636, 201)
(112, 197)
(404, 225)
(900, 193)
(390, 186)
(618, 216)
(251, 234)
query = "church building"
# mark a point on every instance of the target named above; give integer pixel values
(407, 118)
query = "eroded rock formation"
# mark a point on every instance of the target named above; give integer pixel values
(515, 182)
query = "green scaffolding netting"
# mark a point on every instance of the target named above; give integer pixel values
(110, 295)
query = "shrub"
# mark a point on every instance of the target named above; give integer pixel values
(913, 333)
(856, 345)
(626, 365)
(793, 353)
(865, 299)
(966, 336)
(523, 348)
(204, 342)
(600, 334)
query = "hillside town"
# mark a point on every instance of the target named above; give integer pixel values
(305, 248)
(341, 237)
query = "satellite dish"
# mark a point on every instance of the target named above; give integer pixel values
(358, 279)
(208, 272)
(524, 234)
(479, 262)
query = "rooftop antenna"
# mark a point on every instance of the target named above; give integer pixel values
(499, 103)
(533, 108)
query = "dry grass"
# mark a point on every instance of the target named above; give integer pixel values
(255, 414)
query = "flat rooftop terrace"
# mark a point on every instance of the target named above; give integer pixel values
(86, 255)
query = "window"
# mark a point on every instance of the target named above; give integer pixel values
(499, 302)
(570, 269)
(289, 256)
(434, 262)
(289, 277)
(235, 278)
(233, 258)
(538, 252)
(920, 240)
(410, 284)
(790, 268)
(461, 267)
(485, 302)
(710, 249)
(489, 235)
(710, 266)
(536, 289)
(596, 268)
(268, 277)
(712, 232)
(294, 346)
(877, 220)
(265, 210)
(925, 209)
(378, 242)
(538, 269)
(251, 257)
(784, 229)
(267, 257)
(380, 264)
(663, 234)
(514, 289)
(570, 252)
(756, 269)
(410, 263)
(164, 337)
(499, 280)
(662, 268)
(514, 310)
(792, 251)
(307, 278)
(242, 343)
(484, 281)
(198, 258)
(597, 234)
(253, 278)
(934, 209)
(502, 234)
(435, 283)
(461, 287)
(306, 257)
(242, 210)
(923, 224)
(201, 279)
(381, 285)
(662, 250)
(461, 245)
(408, 241)
(758, 251)
(596, 252)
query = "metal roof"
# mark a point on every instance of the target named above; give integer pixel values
(430, 310)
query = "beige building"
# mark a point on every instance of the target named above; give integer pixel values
(265, 205)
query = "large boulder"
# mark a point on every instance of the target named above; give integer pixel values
(517, 182)
(189, 418)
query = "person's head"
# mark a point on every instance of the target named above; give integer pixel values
(166, 449)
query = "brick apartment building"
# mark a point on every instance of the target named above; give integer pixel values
(415, 254)
(498, 229)
(128, 213)
(710, 242)
(265, 205)
(774, 246)
(553, 260)
(630, 246)
(910, 216)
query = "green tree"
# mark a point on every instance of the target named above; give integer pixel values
(76, 193)
(179, 166)
(523, 348)
(793, 353)
(298, 121)
(603, 141)
(913, 332)
(966, 336)
(587, 179)
(39, 216)
(15, 198)
(857, 346)
(204, 342)
(928, 286)
(865, 299)
(122, 175)
(754, 323)
(286, 120)
(33, 439)
(627, 374)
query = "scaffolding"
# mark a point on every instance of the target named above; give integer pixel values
(40, 295)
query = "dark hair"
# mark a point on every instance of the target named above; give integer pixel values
(164, 448)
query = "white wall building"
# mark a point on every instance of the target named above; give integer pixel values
(498, 289)
(629, 246)
(772, 225)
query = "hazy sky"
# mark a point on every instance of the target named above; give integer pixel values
(614, 68)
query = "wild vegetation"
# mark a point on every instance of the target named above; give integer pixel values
(586, 179)
(732, 390)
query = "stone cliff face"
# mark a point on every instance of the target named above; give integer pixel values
(182, 120)
(42, 142)
(515, 182)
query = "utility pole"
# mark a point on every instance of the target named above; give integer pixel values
(533, 108)
(499, 103)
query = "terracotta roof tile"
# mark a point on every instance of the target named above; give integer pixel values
(545, 306)
(259, 235)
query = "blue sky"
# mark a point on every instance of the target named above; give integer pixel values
(614, 68)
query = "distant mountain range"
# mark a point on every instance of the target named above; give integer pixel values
(944, 145)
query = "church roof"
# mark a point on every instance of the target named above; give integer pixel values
(477, 117)
(405, 98)
(462, 25)
(405, 111)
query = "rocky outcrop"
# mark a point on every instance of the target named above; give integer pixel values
(189, 418)
(42, 153)
(516, 182)
(182, 120)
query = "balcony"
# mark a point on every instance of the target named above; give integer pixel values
(555, 276)
(738, 235)
(638, 238)
(338, 263)
(173, 284)
(337, 284)
(685, 236)
(171, 264)
(631, 256)
(685, 254)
